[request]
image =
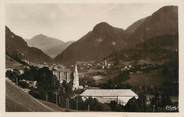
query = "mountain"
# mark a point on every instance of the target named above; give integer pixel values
(159, 49)
(155, 39)
(55, 50)
(132, 28)
(162, 22)
(105, 39)
(152, 41)
(50, 46)
(44, 42)
(17, 48)
(96, 44)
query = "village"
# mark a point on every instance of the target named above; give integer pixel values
(86, 87)
(91, 57)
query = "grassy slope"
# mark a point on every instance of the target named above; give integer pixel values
(11, 62)
(19, 101)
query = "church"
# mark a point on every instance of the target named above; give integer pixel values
(121, 96)
(68, 75)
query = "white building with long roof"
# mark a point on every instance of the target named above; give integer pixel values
(121, 96)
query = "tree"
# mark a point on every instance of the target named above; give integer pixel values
(78, 104)
(30, 74)
(115, 106)
(65, 92)
(13, 75)
(45, 82)
(142, 102)
(92, 104)
(132, 105)
(165, 100)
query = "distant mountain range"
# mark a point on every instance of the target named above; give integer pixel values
(152, 40)
(18, 49)
(158, 32)
(48, 45)
(153, 37)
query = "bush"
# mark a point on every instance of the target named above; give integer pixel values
(23, 84)
(116, 107)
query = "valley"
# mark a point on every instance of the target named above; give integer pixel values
(141, 61)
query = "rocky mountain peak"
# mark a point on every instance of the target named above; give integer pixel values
(102, 27)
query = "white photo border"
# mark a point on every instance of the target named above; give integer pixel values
(180, 5)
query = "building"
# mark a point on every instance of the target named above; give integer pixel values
(62, 74)
(121, 96)
(75, 79)
(19, 69)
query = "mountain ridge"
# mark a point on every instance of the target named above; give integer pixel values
(99, 42)
(17, 47)
(105, 39)
(49, 45)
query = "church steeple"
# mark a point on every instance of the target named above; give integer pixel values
(76, 79)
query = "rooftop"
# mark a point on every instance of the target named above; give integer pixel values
(109, 93)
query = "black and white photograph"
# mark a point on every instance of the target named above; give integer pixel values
(92, 57)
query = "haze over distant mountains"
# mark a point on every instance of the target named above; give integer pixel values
(152, 37)
(160, 29)
(50, 46)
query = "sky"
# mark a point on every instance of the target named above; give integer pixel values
(71, 21)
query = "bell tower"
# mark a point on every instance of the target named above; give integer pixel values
(76, 79)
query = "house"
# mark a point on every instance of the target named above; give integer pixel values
(121, 96)
(20, 69)
(62, 74)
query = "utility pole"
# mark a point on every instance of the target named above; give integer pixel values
(88, 107)
(117, 99)
(77, 103)
(17, 81)
(67, 103)
(59, 101)
(153, 108)
(56, 97)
